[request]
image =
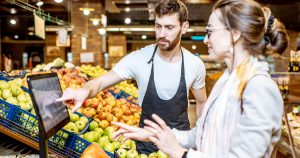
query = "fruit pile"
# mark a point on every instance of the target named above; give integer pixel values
(128, 97)
(60, 139)
(105, 108)
(30, 123)
(72, 78)
(103, 137)
(92, 71)
(131, 153)
(12, 93)
(56, 63)
(128, 88)
(77, 124)
(98, 71)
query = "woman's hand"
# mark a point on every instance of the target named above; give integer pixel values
(163, 137)
(131, 132)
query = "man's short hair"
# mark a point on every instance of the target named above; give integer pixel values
(169, 7)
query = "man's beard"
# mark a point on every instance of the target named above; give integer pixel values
(171, 45)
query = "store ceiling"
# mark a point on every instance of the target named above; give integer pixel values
(287, 11)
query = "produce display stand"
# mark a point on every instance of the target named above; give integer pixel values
(52, 115)
(23, 126)
(26, 140)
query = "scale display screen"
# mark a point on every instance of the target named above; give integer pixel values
(45, 89)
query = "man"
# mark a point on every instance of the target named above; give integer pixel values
(164, 73)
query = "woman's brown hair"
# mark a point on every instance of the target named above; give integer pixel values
(260, 31)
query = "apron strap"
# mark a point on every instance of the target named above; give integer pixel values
(151, 60)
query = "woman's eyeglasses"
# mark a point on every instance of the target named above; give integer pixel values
(209, 30)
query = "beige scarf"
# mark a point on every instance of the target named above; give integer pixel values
(224, 108)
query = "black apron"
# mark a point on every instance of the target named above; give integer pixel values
(173, 111)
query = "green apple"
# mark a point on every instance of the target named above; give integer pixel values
(97, 135)
(6, 93)
(22, 98)
(121, 138)
(109, 147)
(93, 125)
(110, 129)
(25, 106)
(84, 119)
(33, 112)
(133, 145)
(104, 139)
(132, 153)
(80, 124)
(153, 155)
(89, 136)
(11, 84)
(122, 153)
(15, 90)
(124, 146)
(18, 82)
(99, 130)
(116, 145)
(161, 154)
(12, 100)
(110, 132)
(4, 85)
(63, 134)
(71, 127)
(128, 142)
(101, 144)
(143, 156)
(2, 114)
(74, 117)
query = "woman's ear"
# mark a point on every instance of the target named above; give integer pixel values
(236, 35)
(185, 27)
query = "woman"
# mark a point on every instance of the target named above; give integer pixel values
(242, 116)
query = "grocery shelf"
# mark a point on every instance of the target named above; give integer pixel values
(292, 99)
(285, 73)
(25, 140)
(285, 148)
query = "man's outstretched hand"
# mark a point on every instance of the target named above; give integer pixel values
(78, 95)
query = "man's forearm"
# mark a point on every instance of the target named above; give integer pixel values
(199, 108)
(94, 87)
(98, 84)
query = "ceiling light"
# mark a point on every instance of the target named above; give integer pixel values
(194, 47)
(30, 33)
(127, 9)
(87, 11)
(16, 36)
(13, 21)
(95, 20)
(39, 3)
(102, 31)
(144, 37)
(13, 11)
(58, 1)
(127, 20)
(127, 2)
